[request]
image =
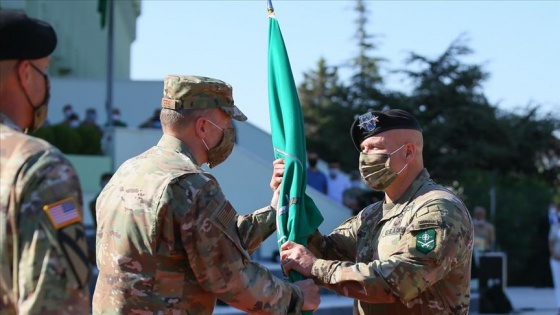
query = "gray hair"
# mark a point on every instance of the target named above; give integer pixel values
(181, 118)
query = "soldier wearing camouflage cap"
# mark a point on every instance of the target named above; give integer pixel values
(407, 254)
(43, 252)
(168, 240)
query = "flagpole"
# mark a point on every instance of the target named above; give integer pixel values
(297, 216)
(109, 96)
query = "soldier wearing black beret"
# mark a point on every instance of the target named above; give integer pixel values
(42, 242)
(409, 253)
(376, 122)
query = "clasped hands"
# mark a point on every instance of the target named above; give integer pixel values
(295, 256)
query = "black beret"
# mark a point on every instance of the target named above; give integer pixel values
(375, 122)
(22, 37)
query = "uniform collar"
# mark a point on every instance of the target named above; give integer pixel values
(171, 143)
(5, 120)
(413, 188)
(408, 194)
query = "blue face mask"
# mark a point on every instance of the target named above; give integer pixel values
(92, 116)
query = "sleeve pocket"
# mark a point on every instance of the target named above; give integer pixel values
(225, 219)
(426, 240)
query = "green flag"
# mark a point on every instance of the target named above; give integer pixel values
(297, 214)
(102, 10)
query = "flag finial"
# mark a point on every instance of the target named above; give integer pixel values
(270, 7)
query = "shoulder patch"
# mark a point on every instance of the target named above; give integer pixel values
(62, 213)
(426, 240)
(226, 215)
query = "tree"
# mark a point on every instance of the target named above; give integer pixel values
(323, 100)
(477, 149)
(448, 101)
(330, 107)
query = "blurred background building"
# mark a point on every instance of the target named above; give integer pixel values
(82, 46)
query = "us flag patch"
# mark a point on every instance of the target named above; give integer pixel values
(226, 215)
(62, 213)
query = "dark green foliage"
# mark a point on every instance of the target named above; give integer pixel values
(91, 139)
(469, 144)
(84, 140)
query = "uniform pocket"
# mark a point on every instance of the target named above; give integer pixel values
(426, 233)
(225, 219)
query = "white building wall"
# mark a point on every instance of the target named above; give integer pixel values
(82, 43)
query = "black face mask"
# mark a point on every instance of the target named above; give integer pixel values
(40, 110)
(312, 162)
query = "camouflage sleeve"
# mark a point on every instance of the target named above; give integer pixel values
(256, 227)
(222, 265)
(52, 261)
(340, 244)
(412, 268)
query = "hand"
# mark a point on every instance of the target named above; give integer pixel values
(277, 174)
(275, 197)
(311, 297)
(296, 257)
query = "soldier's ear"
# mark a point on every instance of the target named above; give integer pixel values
(410, 150)
(200, 127)
(23, 73)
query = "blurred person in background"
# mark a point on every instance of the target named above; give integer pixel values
(353, 196)
(484, 231)
(315, 178)
(554, 249)
(116, 118)
(336, 181)
(152, 122)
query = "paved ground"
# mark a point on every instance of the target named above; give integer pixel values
(525, 301)
(531, 301)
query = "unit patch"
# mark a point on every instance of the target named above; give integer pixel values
(426, 241)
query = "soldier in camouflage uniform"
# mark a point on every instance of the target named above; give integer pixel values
(43, 260)
(408, 254)
(168, 240)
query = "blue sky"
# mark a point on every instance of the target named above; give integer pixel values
(517, 41)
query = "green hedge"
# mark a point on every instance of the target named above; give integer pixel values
(84, 140)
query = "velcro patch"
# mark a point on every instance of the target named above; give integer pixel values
(226, 215)
(426, 241)
(63, 213)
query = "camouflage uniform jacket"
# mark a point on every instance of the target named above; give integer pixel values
(410, 257)
(43, 261)
(169, 242)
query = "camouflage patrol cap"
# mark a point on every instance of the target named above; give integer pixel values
(376, 122)
(196, 92)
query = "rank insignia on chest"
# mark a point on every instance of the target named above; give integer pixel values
(426, 240)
